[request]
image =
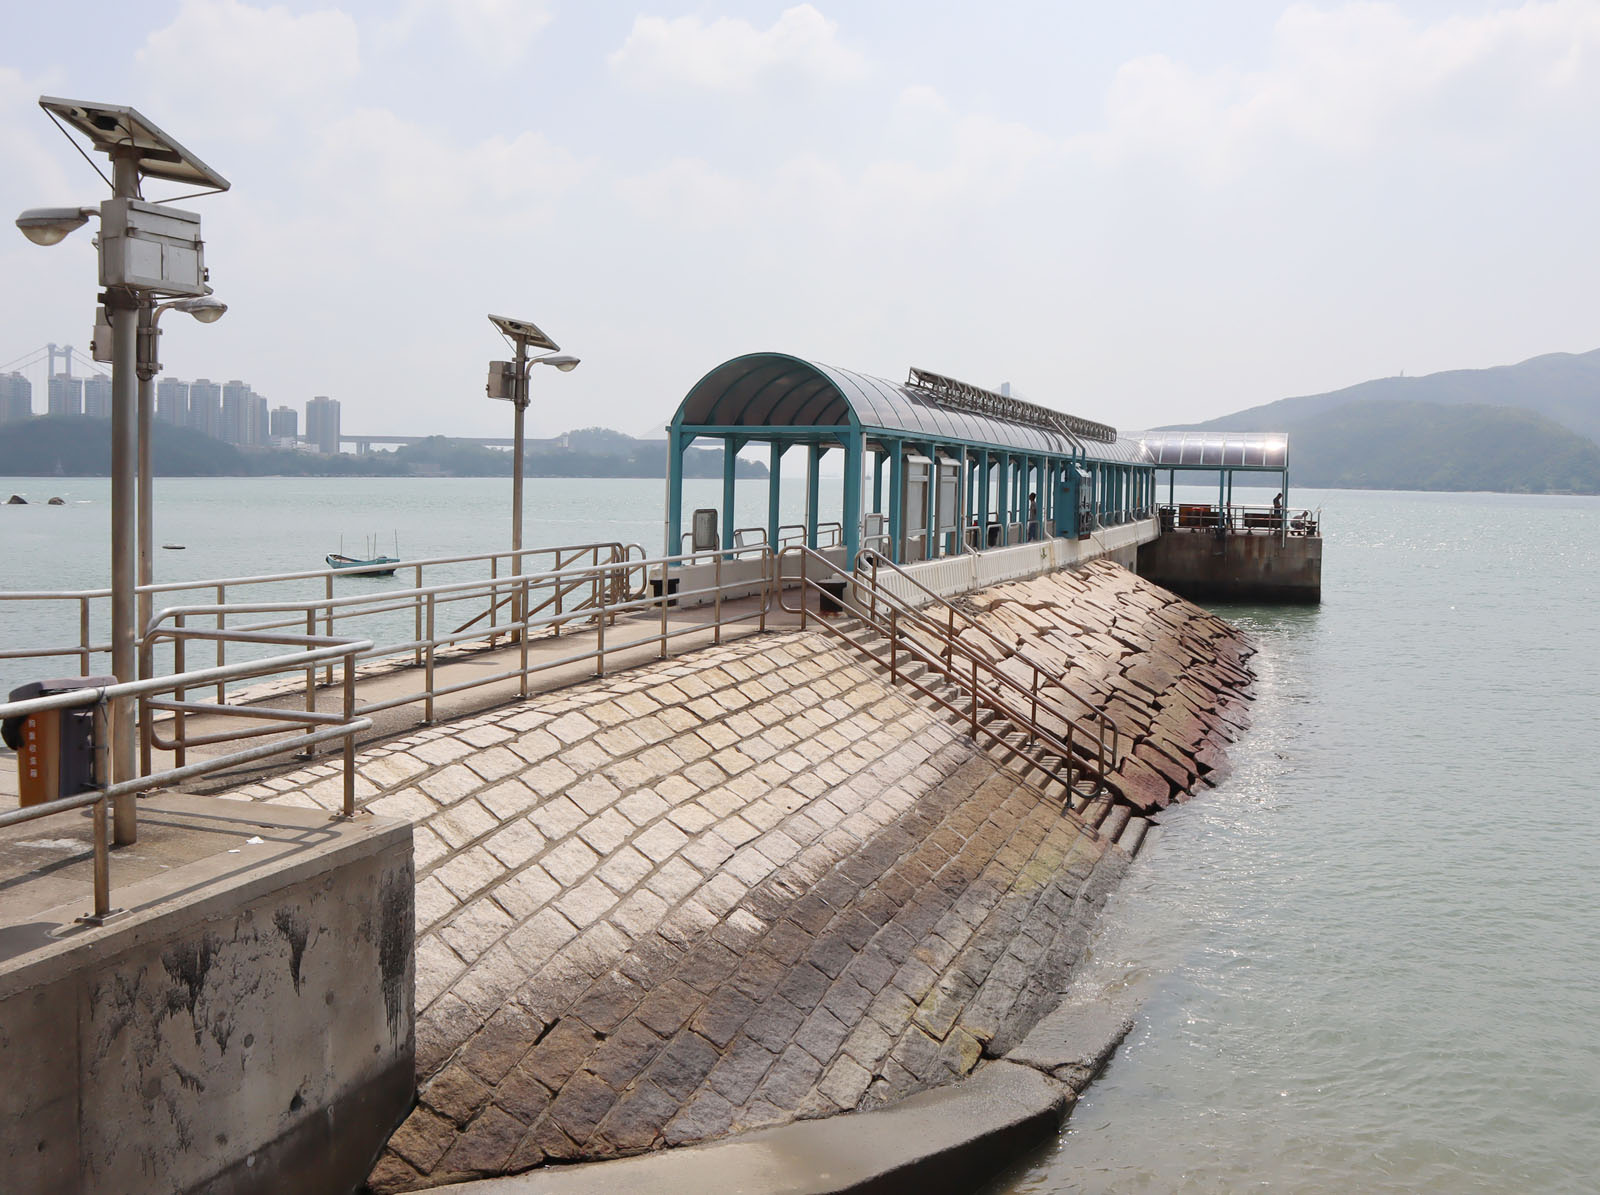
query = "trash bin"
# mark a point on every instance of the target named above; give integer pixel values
(55, 748)
(831, 600)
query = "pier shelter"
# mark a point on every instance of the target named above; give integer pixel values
(933, 468)
(1227, 550)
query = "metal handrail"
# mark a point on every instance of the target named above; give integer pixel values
(614, 600)
(333, 726)
(944, 662)
(1041, 672)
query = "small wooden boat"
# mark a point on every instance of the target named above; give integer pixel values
(377, 566)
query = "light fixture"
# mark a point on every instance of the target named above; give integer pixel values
(204, 308)
(565, 362)
(50, 225)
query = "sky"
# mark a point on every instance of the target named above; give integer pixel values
(1145, 212)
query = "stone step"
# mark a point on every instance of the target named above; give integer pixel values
(1116, 820)
(1135, 835)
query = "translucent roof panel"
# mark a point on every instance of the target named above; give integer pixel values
(1121, 451)
(1218, 450)
(775, 390)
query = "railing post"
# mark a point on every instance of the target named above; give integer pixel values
(222, 647)
(804, 587)
(766, 578)
(600, 639)
(83, 636)
(974, 696)
(716, 614)
(494, 602)
(327, 677)
(102, 810)
(179, 693)
(416, 603)
(350, 737)
(521, 592)
(427, 701)
(310, 749)
(665, 585)
(894, 646)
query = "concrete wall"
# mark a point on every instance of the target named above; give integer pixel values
(243, 1029)
(1236, 568)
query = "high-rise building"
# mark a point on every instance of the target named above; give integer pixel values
(16, 398)
(322, 424)
(235, 428)
(172, 402)
(97, 396)
(259, 419)
(66, 395)
(205, 407)
(285, 423)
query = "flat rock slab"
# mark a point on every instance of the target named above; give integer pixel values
(1075, 1041)
(945, 1140)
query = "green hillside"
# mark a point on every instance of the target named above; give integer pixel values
(1401, 445)
(1564, 387)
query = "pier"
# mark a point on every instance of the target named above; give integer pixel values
(632, 851)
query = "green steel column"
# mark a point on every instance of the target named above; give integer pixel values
(896, 502)
(675, 441)
(1002, 477)
(774, 492)
(877, 482)
(813, 472)
(852, 497)
(983, 500)
(730, 451)
(930, 544)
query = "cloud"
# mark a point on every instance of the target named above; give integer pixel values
(1353, 80)
(496, 32)
(229, 67)
(732, 55)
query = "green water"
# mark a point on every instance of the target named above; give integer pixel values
(1369, 959)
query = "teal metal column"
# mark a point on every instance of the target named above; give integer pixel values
(877, 482)
(852, 497)
(1003, 481)
(774, 492)
(675, 441)
(730, 451)
(983, 501)
(813, 472)
(930, 542)
(896, 505)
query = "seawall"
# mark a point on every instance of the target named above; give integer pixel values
(757, 884)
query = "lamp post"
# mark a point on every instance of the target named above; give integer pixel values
(509, 380)
(208, 311)
(145, 249)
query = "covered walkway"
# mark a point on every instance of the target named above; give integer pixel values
(933, 467)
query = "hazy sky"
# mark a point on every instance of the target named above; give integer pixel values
(1142, 212)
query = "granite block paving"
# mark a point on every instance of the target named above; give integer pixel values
(729, 890)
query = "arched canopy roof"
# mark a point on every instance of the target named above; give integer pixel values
(772, 390)
(1218, 450)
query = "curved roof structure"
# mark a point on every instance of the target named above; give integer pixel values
(766, 390)
(1218, 450)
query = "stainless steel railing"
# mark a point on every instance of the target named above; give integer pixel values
(319, 728)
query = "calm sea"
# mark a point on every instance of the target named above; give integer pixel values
(1368, 961)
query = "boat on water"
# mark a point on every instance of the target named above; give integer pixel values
(376, 566)
(373, 564)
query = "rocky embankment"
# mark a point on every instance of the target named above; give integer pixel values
(756, 884)
(1173, 677)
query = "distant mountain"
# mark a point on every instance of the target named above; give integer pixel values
(1391, 444)
(1564, 387)
(1533, 427)
(80, 446)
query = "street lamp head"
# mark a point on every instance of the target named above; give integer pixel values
(50, 225)
(562, 361)
(204, 308)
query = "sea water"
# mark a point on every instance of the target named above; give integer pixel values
(1367, 962)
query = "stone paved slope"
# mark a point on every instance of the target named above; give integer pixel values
(726, 891)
